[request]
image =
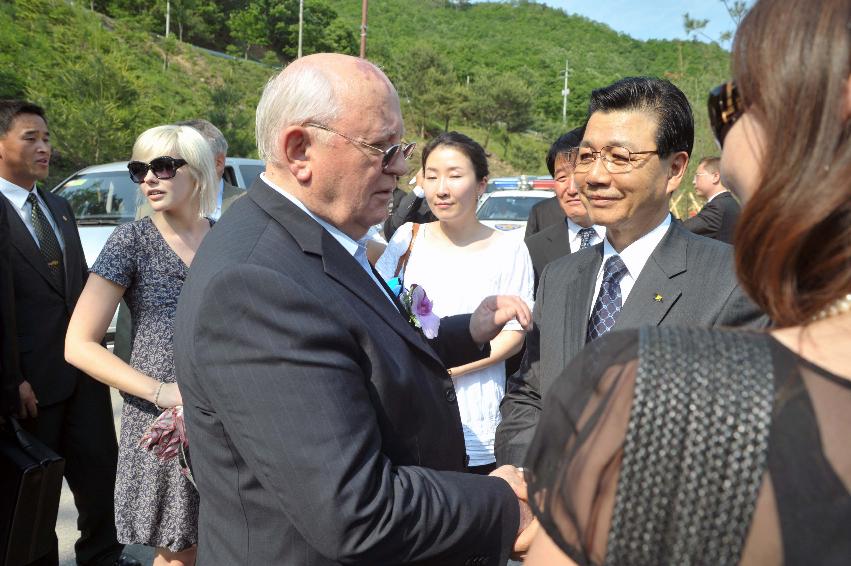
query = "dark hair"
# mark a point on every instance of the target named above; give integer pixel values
(711, 164)
(466, 145)
(793, 241)
(564, 144)
(648, 94)
(11, 109)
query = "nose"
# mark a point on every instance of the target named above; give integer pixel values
(397, 166)
(598, 175)
(150, 178)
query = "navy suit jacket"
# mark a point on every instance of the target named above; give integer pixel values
(324, 429)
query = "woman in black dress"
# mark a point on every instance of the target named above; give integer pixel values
(691, 446)
(146, 262)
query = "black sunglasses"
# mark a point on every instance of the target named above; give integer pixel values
(725, 107)
(164, 167)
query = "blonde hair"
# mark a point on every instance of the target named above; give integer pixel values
(186, 143)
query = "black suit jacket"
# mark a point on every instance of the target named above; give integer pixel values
(693, 278)
(408, 208)
(324, 429)
(544, 214)
(717, 219)
(10, 373)
(42, 310)
(548, 245)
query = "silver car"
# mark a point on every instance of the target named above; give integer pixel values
(103, 196)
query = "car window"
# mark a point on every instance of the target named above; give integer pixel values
(508, 208)
(101, 198)
(249, 173)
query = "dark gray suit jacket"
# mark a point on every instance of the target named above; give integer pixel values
(324, 429)
(42, 309)
(10, 373)
(717, 219)
(695, 279)
(547, 246)
(544, 214)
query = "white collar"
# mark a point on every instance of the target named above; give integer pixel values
(710, 199)
(345, 240)
(636, 254)
(573, 228)
(16, 194)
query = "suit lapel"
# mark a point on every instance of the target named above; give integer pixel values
(338, 264)
(23, 241)
(581, 289)
(657, 289)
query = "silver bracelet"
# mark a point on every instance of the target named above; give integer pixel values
(157, 397)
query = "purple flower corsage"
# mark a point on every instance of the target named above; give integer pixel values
(420, 313)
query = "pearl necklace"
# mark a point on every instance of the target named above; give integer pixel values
(839, 306)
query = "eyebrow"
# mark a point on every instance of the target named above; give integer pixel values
(611, 143)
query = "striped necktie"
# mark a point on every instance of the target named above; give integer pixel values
(47, 241)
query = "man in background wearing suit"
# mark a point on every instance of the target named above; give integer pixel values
(577, 231)
(228, 194)
(408, 207)
(64, 408)
(324, 427)
(544, 214)
(717, 219)
(649, 270)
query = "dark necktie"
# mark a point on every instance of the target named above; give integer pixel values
(585, 237)
(608, 305)
(47, 241)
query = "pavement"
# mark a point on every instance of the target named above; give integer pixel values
(66, 523)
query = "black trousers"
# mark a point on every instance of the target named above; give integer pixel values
(81, 430)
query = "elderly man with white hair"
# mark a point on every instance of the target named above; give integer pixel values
(324, 426)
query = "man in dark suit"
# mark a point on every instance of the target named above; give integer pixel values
(649, 270)
(717, 219)
(324, 427)
(544, 214)
(227, 195)
(576, 231)
(64, 408)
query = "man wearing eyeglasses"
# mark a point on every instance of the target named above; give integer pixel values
(324, 427)
(648, 270)
(717, 219)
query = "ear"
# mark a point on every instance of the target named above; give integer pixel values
(482, 186)
(295, 144)
(676, 170)
(220, 164)
(716, 178)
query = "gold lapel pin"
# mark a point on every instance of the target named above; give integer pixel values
(658, 298)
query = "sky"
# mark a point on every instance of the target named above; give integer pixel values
(652, 19)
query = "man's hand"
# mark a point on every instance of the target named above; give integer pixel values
(492, 314)
(524, 540)
(514, 477)
(29, 403)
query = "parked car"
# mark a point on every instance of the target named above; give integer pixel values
(103, 196)
(509, 210)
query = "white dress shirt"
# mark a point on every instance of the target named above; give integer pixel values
(575, 239)
(18, 197)
(357, 249)
(218, 212)
(634, 256)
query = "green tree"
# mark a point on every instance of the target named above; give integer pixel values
(500, 103)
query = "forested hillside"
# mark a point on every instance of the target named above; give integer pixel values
(493, 70)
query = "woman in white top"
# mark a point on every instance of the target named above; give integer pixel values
(459, 261)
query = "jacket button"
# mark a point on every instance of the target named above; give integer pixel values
(450, 395)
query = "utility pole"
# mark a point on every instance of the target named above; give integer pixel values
(167, 16)
(564, 92)
(363, 30)
(300, 25)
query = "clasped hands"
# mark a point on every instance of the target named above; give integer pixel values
(528, 526)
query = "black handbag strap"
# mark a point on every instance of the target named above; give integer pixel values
(695, 449)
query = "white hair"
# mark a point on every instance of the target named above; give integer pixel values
(298, 94)
(186, 143)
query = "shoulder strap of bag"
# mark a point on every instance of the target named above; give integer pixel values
(695, 450)
(403, 260)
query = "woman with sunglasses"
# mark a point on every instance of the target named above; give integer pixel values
(727, 447)
(459, 261)
(146, 262)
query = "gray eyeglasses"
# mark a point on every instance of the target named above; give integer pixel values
(406, 149)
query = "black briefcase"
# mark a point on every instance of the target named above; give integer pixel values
(30, 485)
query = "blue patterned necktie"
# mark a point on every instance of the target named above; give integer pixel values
(585, 236)
(47, 241)
(608, 305)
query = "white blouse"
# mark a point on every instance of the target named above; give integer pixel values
(456, 280)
